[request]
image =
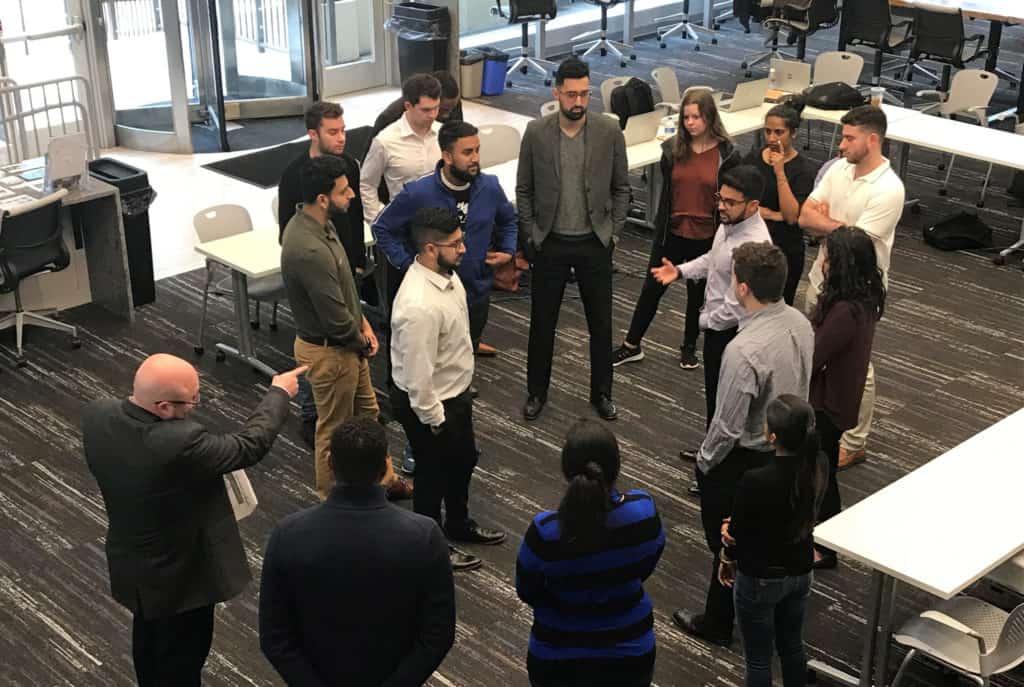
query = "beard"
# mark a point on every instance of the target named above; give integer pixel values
(574, 114)
(448, 266)
(466, 176)
(854, 157)
(324, 150)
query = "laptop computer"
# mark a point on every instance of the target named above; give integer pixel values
(791, 76)
(643, 127)
(748, 95)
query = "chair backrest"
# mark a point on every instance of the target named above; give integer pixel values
(938, 34)
(550, 107)
(969, 88)
(822, 13)
(221, 221)
(867, 22)
(838, 66)
(520, 11)
(609, 85)
(498, 143)
(357, 142)
(1009, 649)
(32, 240)
(668, 84)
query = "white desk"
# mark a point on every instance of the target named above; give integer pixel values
(940, 528)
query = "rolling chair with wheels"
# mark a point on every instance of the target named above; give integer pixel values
(802, 18)
(870, 23)
(31, 243)
(603, 44)
(523, 12)
(939, 37)
(685, 29)
(219, 222)
(765, 9)
(834, 66)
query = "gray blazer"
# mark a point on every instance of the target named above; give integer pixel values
(538, 181)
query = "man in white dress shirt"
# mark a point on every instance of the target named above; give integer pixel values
(432, 367)
(860, 190)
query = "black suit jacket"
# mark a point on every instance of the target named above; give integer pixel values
(172, 541)
(356, 592)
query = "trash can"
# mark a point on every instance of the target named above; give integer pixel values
(495, 71)
(423, 32)
(136, 197)
(471, 67)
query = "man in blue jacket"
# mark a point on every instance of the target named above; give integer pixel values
(488, 219)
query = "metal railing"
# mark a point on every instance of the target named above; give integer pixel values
(263, 22)
(132, 18)
(33, 113)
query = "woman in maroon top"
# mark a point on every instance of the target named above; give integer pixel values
(686, 220)
(852, 301)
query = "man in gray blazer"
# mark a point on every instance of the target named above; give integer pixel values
(572, 194)
(173, 547)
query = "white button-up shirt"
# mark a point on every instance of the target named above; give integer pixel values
(873, 202)
(398, 155)
(721, 310)
(431, 353)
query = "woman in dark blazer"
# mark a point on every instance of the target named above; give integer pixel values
(582, 570)
(851, 302)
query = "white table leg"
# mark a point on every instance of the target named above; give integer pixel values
(245, 351)
(881, 586)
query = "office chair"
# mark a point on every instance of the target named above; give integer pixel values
(32, 242)
(523, 12)
(765, 9)
(939, 37)
(219, 222)
(498, 143)
(870, 23)
(834, 66)
(802, 18)
(603, 44)
(684, 28)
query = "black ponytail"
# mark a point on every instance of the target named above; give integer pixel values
(590, 463)
(791, 420)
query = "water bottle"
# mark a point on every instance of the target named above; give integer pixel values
(771, 76)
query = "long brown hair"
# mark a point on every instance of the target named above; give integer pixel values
(709, 111)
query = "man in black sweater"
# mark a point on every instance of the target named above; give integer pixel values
(449, 110)
(355, 591)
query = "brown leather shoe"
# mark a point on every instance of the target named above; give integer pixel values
(485, 351)
(400, 490)
(847, 458)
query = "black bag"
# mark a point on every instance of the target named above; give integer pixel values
(632, 98)
(833, 96)
(961, 231)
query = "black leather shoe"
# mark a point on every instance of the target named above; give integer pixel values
(693, 624)
(605, 407)
(307, 432)
(472, 533)
(693, 489)
(534, 404)
(689, 455)
(473, 392)
(460, 560)
(828, 560)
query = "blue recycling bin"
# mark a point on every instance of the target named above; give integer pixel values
(495, 68)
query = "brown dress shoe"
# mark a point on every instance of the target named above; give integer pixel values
(400, 490)
(847, 458)
(485, 351)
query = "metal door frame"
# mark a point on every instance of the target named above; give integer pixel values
(357, 76)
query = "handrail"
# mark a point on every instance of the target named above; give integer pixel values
(19, 103)
(69, 30)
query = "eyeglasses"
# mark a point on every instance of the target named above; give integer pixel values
(576, 95)
(194, 403)
(729, 202)
(457, 243)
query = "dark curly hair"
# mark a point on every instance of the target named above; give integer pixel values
(853, 274)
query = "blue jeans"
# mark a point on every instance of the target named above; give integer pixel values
(771, 611)
(307, 407)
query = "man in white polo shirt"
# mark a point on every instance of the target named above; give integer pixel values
(863, 190)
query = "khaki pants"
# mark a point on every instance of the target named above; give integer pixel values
(857, 438)
(341, 390)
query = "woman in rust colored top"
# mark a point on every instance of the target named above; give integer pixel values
(852, 301)
(685, 224)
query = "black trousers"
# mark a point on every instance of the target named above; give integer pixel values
(591, 261)
(444, 462)
(478, 314)
(795, 269)
(171, 651)
(829, 436)
(714, 348)
(678, 250)
(717, 493)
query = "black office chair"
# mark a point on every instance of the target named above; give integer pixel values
(32, 242)
(523, 12)
(801, 18)
(939, 37)
(870, 23)
(602, 43)
(762, 11)
(685, 29)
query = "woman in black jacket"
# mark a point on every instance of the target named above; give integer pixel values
(691, 163)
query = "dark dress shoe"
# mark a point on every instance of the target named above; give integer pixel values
(693, 489)
(307, 432)
(534, 404)
(472, 533)
(693, 624)
(689, 455)
(827, 561)
(473, 392)
(460, 560)
(605, 407)
(399, 490)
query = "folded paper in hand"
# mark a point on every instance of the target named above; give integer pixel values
(240, 493)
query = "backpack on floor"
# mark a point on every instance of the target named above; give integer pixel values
(632, 98)
(961, 231)
(836, 95)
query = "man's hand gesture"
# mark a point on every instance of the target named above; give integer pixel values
(666, 274)
(289, 381)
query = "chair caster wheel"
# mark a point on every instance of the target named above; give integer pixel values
(508, 84)
(696, 48)
(622, 64)
(273, 327)
(76, 343)
(199, 350)
(221, 356)
(942, 166)
(748, 74)
(979, 204)
(633, 58)
(663, 45)
(942, 192)
(547, 82)
(714, 41)
(21, 362)
(743, 65)
(997, 260)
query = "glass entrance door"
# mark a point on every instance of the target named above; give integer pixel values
(350, 48)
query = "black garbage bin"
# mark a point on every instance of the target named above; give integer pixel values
(136, 197)
(423, 32)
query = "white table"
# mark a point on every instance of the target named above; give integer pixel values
(940, 528)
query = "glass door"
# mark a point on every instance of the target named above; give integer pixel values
(350, 48)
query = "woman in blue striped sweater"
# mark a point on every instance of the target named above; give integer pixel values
(582, 569)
